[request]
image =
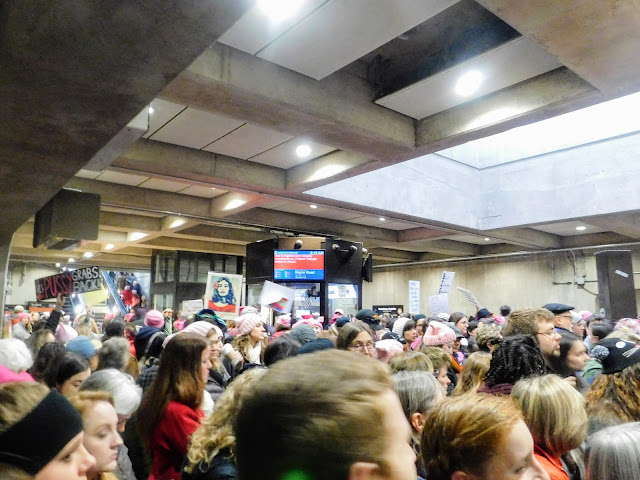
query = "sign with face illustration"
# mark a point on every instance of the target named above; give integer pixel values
(222, 294)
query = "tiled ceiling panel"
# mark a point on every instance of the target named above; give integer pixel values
(247, 141)
(568, 228)
(200, 191)
(165, 185)
(195, 129)
(342, 31)
(505, 65)
(284, 155)
(163, 112)
(255, 30)
(121, 178)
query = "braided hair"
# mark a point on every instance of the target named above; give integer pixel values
(516, 358)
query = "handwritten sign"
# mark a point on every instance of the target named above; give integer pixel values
(190, 307)
(414, 297)
(471, 298)
(447, 282)
(439, 304)
(77, 281)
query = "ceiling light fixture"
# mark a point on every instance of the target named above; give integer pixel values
(313, 206)
(468, 83)
(87, 255)
(235, 204)
(71, 260)
(581, 228)
(303, 151)
(57, 265)
(487, 239)
(382, 219)
(279, 10)
(177, 223)
(151, 110)
(133, 236)
(109, 246)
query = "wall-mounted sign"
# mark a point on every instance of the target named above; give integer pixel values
(77, 281)
(390, 309)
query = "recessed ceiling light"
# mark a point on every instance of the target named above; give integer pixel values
(213, 188)
(580, 228)
(279, 10)
(71, 260)
(177, 222)
(303, 151)
(468, 83)
(109, 246)
(487, 239)
(313, 206)
(382, 219)
(57, 265)
(151, 110)
(87, 254)
(235, 204)
(133, 236)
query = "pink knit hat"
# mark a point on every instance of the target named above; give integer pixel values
(438, 334)
(199, 328)
(154, 318)
(387, 349)
(284, 320)
(247, 322)
(64, 333)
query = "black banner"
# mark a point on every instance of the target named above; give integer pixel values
(77, 281)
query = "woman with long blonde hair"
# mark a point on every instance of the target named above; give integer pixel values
(211, 455)
(473, 372)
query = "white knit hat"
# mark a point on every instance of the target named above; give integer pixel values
(398, 325)
(247, 322)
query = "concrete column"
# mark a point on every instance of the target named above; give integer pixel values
(5, 248)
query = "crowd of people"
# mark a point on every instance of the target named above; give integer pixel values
(531, 393)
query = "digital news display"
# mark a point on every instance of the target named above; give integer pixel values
(298, 265)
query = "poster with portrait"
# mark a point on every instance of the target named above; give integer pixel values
(223, 293)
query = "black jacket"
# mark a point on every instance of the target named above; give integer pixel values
(220, 468)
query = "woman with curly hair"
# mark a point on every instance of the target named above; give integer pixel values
(211, 454)
(473, 372)
(614, 396)
(516, 358)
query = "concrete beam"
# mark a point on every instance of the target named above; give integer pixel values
(390, 254)
(163, 160)
(103, 259)
(127, 222)
(606, 238)
(627, 224)
(420, 233)
(82, 73)
(526, 237)
(227, 234)
(597, 39)
(235, 202)
(329, 168)
(336, 111)
(167, 243)
(451, 247)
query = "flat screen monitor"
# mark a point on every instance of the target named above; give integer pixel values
(298, 265)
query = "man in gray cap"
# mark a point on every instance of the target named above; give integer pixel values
(563, 320)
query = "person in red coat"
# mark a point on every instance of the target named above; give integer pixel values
(170, 409)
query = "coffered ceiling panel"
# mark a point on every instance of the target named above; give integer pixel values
(121, 178)
(200, 191)
(372, 221)
(160, 113)
(505, 65)
(569, 228)
(247, 141)
(342, 31)
(161, 184)
(195, 129)
(284, 155)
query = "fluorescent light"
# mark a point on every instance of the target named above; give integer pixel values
(235, 204)
(487, 239)
(279, 10)
(151, 110)
(382, 219)
(303, 151)
(313, 206)
(581, 228)
(468, 83)
(71, 260)
(87, 255)
(177, 222)
(109, 246)
(133, 236)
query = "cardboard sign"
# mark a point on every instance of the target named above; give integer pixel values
(471, 298)
(190, 307)
(447, 282)
(439, 304)
(222, 294)
(77, 281)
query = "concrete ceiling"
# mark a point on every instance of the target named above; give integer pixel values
(367, 89)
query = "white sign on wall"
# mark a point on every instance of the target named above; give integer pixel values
(447, 282)
(414, 297)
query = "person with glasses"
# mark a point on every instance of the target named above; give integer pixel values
(563, 320)
(357, 337)
(537, 322)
